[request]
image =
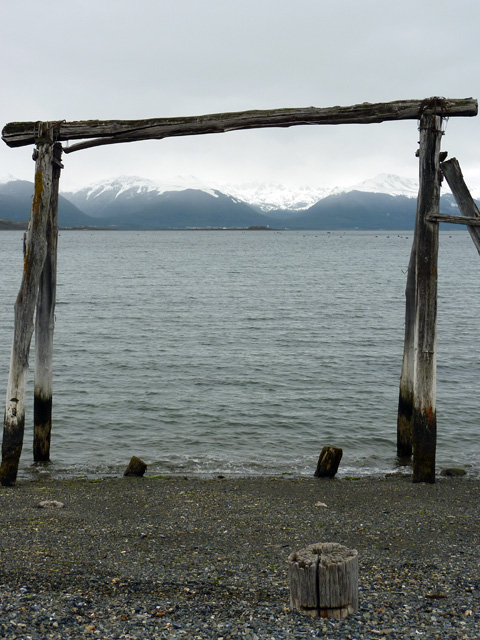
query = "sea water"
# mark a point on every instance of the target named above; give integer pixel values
(243, 352)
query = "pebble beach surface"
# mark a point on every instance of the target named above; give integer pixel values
(171, 557)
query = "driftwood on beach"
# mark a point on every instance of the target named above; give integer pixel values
(417, 411)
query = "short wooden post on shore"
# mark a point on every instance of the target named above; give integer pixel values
(136, 467)
(324, 580)
(328, 462)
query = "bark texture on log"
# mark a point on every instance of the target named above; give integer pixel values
(17, 134)
(324, 580)
(453, 174)
(424, 425)
(35, 252)
(328, 462)
(44, 326)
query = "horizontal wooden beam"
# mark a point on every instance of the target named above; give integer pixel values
(443, 217)
(100, 132)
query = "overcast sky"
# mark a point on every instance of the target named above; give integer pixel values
(130, 59)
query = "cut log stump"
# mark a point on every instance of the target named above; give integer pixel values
(328, 462)
(136, 467)
(324, 580)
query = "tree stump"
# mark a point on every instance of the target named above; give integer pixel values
(328, 462)
(136, 467)
(324, 580)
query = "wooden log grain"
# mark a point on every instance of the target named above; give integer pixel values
(102, 132)
(467, 221)
(424, 423)
(324, 580)
(35, 253)
(328, 462)
(44, 326)
(466, 204)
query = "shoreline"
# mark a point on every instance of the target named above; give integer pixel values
(176, 557)
(53, 471)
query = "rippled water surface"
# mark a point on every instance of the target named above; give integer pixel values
(244, 352)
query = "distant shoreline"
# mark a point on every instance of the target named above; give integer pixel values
(12, 225)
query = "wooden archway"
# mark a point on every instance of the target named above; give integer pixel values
(416, 428)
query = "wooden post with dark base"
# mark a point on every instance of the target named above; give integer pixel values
(424, 423)
(35, 253)
(405, 396)
(44, 325)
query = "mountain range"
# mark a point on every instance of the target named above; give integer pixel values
(384, 202)
(16, 202)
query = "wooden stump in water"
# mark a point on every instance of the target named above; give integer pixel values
(328, 462)
(324, 580)
(136, 467)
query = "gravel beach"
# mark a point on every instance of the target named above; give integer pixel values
(173, 557)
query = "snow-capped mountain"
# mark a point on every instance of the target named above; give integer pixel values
(134, 184)
(384, 202)
(272, 196)
(387, 183)
(264, 197)
(97, 197)
(131, 202)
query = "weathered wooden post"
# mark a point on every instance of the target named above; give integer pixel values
(45, 323)
(424, 424)
(35, 252)
(405, 396)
